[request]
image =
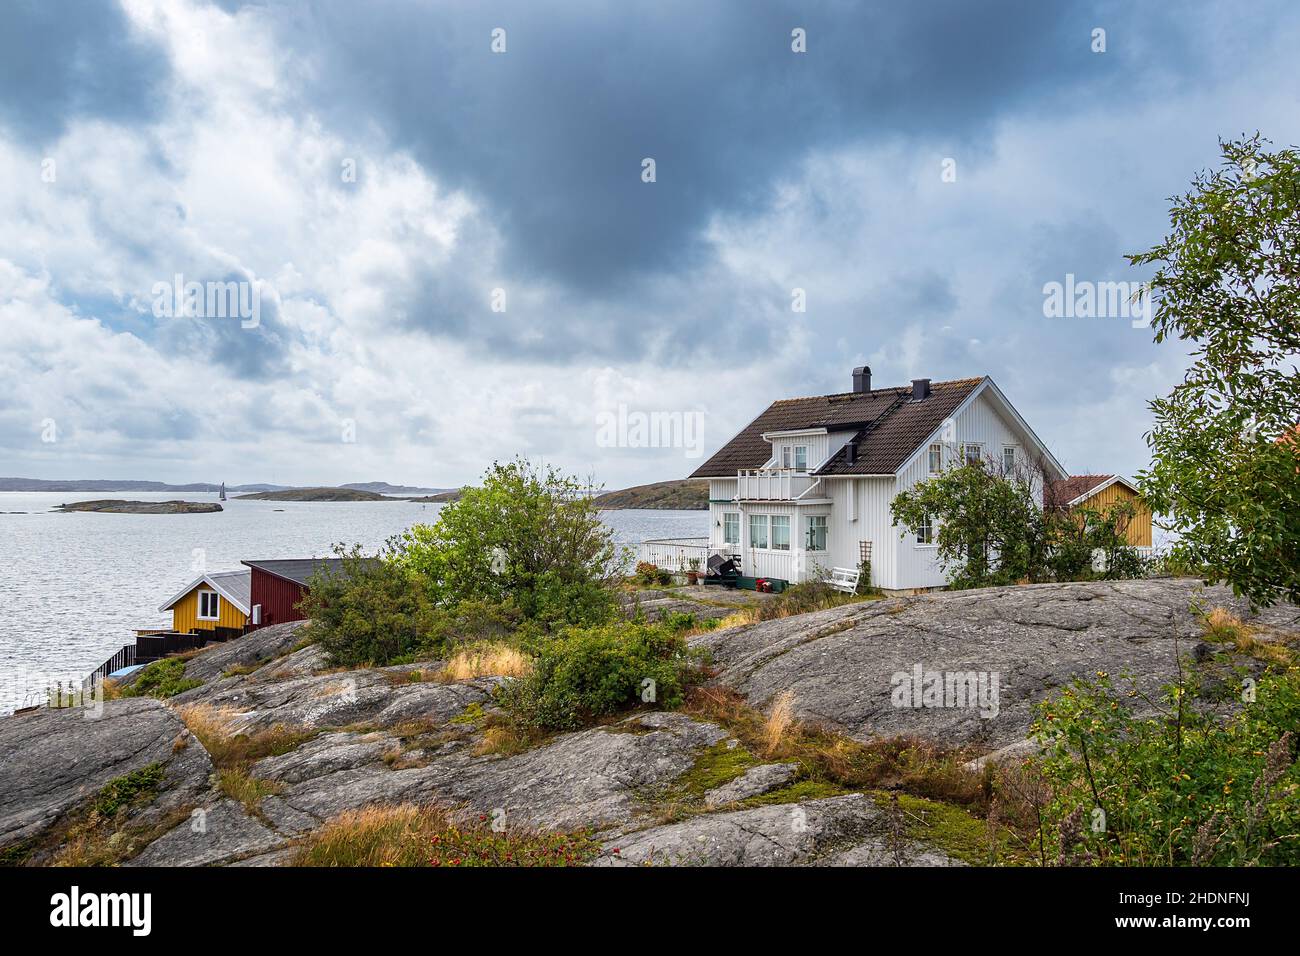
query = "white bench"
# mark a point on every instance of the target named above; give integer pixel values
(845, 579)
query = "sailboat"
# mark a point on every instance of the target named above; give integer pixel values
(221, 495)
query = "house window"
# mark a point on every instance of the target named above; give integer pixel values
(925, 532)
(209, 605)
(973, 452)
(1008, 459)
(730, 528)
(780, 532)
(936, 459)
(815, 532)
(800, 457)
(785, 456)
(758, 531)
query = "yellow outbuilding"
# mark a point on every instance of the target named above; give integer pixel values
(1100, 493)
(216, 602)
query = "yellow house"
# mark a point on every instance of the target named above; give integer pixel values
(1101, 493)
(213, 602)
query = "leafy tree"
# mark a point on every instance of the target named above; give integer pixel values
(1074, 536)
(1226, 465)
(988, 529)
(371, 611)
(528, 537)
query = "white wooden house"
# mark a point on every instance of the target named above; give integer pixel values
(806, 487)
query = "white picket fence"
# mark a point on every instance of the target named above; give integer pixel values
(674, 554)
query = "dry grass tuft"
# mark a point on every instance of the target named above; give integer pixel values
(424, 836)
(503, 739)
(249, 791)
(487, 660)
(230, 748)
(1223, 626)
(779, 720)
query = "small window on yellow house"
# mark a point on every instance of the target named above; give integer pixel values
(209, 605)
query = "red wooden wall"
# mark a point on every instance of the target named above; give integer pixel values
(278, 597)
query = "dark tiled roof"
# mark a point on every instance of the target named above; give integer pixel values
(297, 569)
(889, 426)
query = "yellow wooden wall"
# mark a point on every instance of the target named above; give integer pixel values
(1139, 529)
(185, 615)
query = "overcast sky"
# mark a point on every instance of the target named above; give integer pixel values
(376, 170)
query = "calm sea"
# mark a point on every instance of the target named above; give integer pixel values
(73, 587)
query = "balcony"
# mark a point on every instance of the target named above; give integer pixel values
(773, 484)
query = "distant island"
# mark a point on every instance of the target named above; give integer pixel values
(441, 497)
(316, 494)
(121, 484)
(678, 495)
(384, 488)
(117, 506)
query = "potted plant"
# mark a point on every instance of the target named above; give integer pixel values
(693, 575)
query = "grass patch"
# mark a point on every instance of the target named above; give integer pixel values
(128, 788)
(796, 792)
(957, 832)
(424, 836)
(249, 791)
(713, 767)
(824, 755)
(504, 739)
(489, 659)
(472, 714)
(1221, 626)
(161, 679)
(237, 750)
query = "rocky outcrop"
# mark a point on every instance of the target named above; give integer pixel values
(844, 665)
(837, 831)
(390, 735)
(251, 650)
(374, 698)
(57, 760)
(754, 782)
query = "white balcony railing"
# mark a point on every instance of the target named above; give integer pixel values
(772, 484)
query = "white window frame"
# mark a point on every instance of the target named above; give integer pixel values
(798, 467)
(785, 456)
(1015, 459)
(979, 453)
(934, 459)
(925, 533)
(725, 516)
(771, 530)
(214, 603)
(767, 532)
(808, 536)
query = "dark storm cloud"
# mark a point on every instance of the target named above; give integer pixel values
(63, 59)
(551, 134)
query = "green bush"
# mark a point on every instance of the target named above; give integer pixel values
(372, 611)
(587, 673)
(529, 538)
(1182, 788)
(161, 679)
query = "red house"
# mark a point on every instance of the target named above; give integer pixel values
(278, 586)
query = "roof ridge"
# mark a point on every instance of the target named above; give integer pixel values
(880, 391)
